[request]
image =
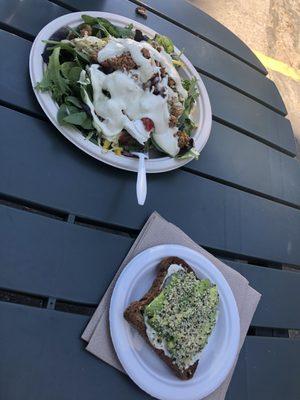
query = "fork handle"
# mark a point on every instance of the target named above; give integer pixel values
(141, 182)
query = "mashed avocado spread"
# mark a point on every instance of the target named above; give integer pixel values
(181, 318)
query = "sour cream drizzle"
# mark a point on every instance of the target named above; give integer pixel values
(146, 67)
(128, 100)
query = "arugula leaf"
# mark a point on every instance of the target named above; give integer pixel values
(69, 114)
(53, 79)
(74, 74)
(89, 20)
(192, 153)
(88, 123)
(67, 45)
(66, 67)
(190, 85)
(165, 42)
(73, 31)
(72, 109)
(83, 56)
(77, 118)
(186, 124)
(73, 100)
(108, 28)
(62, 113)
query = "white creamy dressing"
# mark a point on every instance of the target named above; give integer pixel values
(128, 101)
(152, 336)
(173, 268)
(146, 67)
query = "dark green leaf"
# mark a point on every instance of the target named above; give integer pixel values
(63, 45)
(165, 42)
(185, 122)
(72, 109)
(53, 80)
(76, 118)
(74, 74)
(108, 28)
(72, 30)
(89, 20)
(83, 57)
(88, 123)
(66, 67)
(61, 114)
(73, 100)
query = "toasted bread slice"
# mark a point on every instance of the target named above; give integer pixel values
(134, 314)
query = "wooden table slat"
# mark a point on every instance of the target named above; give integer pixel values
(227, 104)
(228, 156)
(180, 12)
(43, 357)
(254, 119)
(59, 176)
(279, 305)
(194, 19)
(52, 258)
(67, 371)
(273, 368)
(205, 56)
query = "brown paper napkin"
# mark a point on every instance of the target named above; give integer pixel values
(158, 231)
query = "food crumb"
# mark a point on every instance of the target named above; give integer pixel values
(141, 11)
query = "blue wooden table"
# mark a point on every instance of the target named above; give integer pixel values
(67, 221)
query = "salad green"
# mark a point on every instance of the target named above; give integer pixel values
(70, 78)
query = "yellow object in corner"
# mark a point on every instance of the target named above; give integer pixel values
(106, 144)
(278, 66)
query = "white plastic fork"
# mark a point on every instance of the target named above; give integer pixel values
(141, 181)
(138, 131)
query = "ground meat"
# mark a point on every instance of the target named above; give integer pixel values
(176, 109)
(141, 11)
(85, 30)
(124, 61)
(156, 46)
(172, 121)
(183, 139)
(163, 72)
(145, 52)
(171, 82)
(94, 56)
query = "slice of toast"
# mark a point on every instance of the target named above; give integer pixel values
(134, 314)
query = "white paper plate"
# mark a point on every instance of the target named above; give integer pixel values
(141, 363)
(202, 114)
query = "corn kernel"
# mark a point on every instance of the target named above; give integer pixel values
(118, 151)
(106, 144)
(178, 62)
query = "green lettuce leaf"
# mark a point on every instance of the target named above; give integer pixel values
(186, 124)
(108, 28)
(165, 42)
(53, 79)
(77, 118)
(192, 153)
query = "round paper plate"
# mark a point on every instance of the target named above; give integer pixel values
(141, 363)
(201, 114)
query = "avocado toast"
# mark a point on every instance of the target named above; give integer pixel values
(176, 315)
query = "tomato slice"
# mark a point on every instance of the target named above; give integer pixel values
(148, 124)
